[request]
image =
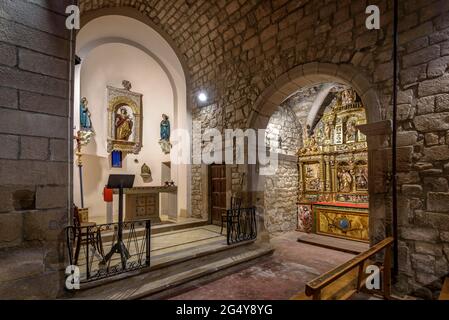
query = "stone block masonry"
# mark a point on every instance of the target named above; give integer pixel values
(237, 49)
(34, 139)
(281, 192)
(284, 133)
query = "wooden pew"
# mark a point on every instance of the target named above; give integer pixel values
(344, 281)
(444, 294)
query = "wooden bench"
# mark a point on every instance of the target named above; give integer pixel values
(444, 294)
(344, 281)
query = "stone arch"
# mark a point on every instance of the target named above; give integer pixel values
(166, 55)
(85, 50)
(307, 75)
(377, 131)
(133, 13)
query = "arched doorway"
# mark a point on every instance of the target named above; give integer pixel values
(377, 132)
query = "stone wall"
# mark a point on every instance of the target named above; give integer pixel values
(199, 175)
(34, 153)
(281, 189)
(198, 192)
(281, 195)
(423, 154)
(235, 49)
(301, 102)
(284, 133)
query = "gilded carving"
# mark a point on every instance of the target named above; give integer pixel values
(344, 180)
(305, 218)
(338, 137)
(351, 130)
(312, 177)
(124, 119)
(342, 222)
(361, 178)
(333, 162)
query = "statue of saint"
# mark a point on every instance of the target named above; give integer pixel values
(320, 134)
(123, 125)
(327, 131)
(351, 131)
(348, 97)
(85, 122)
(345, 181)
(362, 179)
(165, 135)
(165, 128)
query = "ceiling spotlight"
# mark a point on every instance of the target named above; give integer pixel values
(202, 97)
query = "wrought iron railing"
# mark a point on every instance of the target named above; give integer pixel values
(93, 248)
(241, 225)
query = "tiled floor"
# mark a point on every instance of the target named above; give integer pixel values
(279, 276)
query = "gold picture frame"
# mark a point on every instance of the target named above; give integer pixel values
(129, 104)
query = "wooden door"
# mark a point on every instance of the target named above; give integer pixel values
(217, 182)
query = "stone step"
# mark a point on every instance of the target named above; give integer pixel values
(167, 275)
(178, 226)
(150, 289)
(344, 245)
(161, 261)
(158, 229)
(365, 296)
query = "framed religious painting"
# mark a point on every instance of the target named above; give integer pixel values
(311, 177)
(124, 119)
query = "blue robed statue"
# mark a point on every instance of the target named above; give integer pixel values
(165, 128)
(165, 135)
(85, 122)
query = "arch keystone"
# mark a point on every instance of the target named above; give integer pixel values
(346, 72)
(361, 84)
(327, 68)
(310, 68)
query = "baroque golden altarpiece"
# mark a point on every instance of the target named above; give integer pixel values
(333, 172)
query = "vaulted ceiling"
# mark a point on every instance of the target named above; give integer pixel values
(236, 49)
(309, 103)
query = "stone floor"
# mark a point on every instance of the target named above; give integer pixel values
(278, 276)
(178, 258)
(163, 246)
(165, 220)
(181, 237)
(340, 244)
